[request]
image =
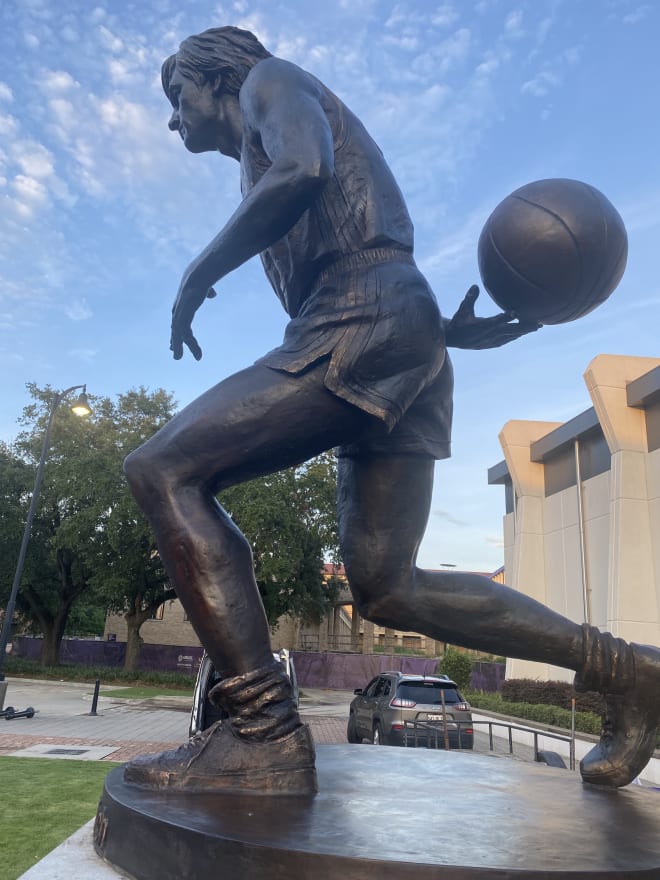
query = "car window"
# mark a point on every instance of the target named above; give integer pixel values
(380, 687)
(427, 692)
(371, 687)
(388, 688)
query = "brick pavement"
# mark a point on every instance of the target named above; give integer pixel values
(326, 730)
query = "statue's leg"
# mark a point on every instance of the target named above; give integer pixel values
(251, 424)
(383, 504)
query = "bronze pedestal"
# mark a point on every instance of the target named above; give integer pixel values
(386, 813)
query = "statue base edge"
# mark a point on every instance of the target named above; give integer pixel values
(385, 813)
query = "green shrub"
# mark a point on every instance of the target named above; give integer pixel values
(553, 716)
(553, 693)
(457, 666)
(19, 666)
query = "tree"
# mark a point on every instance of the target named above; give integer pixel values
(90, 545)
(16, 479)
(457, 666)
(289, 518)
(87, 533)
(127, 572)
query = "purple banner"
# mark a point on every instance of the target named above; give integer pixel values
(487, 676)
(314, 669)
(349, 671)
(92, 652)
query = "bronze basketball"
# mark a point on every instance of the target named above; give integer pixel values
(552, 251)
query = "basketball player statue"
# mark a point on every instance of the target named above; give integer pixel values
(363, 367)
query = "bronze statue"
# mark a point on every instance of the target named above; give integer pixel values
(363, 367)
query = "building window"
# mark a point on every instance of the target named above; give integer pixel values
(159, 613)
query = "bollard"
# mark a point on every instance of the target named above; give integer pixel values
(95, 700)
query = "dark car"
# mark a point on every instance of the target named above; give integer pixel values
(397, 709)
(204, 713)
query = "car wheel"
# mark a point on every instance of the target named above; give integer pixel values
(378, 738)
(351, 731)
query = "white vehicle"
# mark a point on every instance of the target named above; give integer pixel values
(204, 713)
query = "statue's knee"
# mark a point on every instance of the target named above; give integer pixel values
(377, 601)
(141, 471)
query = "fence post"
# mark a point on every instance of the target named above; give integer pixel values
(571, 761)
(95, 700)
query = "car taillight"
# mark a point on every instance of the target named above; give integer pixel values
(400, 703)
(462, 707)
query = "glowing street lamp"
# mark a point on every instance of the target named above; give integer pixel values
(80, 407)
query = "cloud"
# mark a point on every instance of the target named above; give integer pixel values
(541, 84)
(636, 15)
(514, 24)
(78, 310)
(87, 355)
(54, 81)
(6, 93)
(444, 15)
(33, 159)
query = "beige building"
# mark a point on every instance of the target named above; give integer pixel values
(582, 521)
(341, 630)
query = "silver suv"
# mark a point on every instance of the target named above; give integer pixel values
(397, 709)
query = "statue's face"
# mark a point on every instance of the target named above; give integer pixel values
(199, 115)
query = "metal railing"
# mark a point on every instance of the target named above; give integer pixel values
(417, 733)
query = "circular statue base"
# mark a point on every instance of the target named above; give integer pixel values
(386, 813)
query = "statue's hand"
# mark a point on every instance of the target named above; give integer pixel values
(466, 330)
(188, 300)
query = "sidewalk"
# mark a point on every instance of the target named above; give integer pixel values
(122, 728)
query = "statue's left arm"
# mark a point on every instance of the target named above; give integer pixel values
(466, 330)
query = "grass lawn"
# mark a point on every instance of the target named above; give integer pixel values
(144, 692)
(43, 802)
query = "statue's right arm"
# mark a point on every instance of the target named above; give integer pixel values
(281, 108)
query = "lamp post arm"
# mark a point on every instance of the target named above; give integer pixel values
(11, 604)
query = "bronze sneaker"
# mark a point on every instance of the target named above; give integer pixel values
(216, 760)
(630, 729)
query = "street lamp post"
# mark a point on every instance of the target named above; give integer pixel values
(81, 407)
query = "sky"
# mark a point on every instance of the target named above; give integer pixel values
(102, 208)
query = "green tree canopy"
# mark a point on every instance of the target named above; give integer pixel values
(289, 518)
(87, 537)
(91, 548)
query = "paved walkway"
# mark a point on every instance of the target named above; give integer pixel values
(63, 726)
(126, 728)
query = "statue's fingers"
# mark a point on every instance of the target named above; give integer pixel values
(176, 346)
(193, 345)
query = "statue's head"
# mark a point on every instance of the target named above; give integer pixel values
(226, 53)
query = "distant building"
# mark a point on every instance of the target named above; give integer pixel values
(343, 629)
(582, 520)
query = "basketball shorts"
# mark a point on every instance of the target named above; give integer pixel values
(380, 330)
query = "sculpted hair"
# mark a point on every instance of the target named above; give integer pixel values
(228, 51)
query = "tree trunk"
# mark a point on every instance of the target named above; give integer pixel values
(135, 617)
(134, 643)
(50, 645)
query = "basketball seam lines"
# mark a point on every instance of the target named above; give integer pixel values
(572, 237)
(511, 268)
